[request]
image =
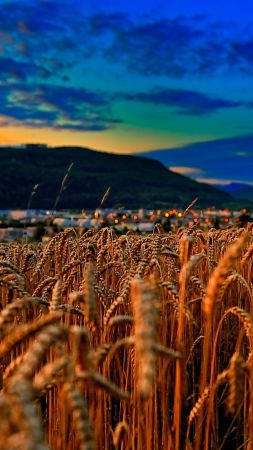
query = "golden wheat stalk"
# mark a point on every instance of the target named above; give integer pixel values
(144, 300)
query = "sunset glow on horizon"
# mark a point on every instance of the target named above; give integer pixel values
(109, 141)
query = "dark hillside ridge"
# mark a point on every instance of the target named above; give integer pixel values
(135, 182)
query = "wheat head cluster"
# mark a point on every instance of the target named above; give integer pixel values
(130, 343)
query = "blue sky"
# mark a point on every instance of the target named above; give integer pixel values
(126, 76)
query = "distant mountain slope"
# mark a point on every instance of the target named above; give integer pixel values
(241, 192)
(136, 182)
(245, 193)
(232, 188)
(229, 158)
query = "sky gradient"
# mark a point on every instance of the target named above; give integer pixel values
(125, 76)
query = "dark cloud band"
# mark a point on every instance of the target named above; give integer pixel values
(186, 102)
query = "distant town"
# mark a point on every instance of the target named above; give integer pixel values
(40, 225)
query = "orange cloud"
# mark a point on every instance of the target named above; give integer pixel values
(217, 181)
(186, 170)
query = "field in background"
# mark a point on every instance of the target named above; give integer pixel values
(131, 342)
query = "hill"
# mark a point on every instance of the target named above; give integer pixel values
(136, 182)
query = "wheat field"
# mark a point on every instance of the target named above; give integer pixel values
(129, 343)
